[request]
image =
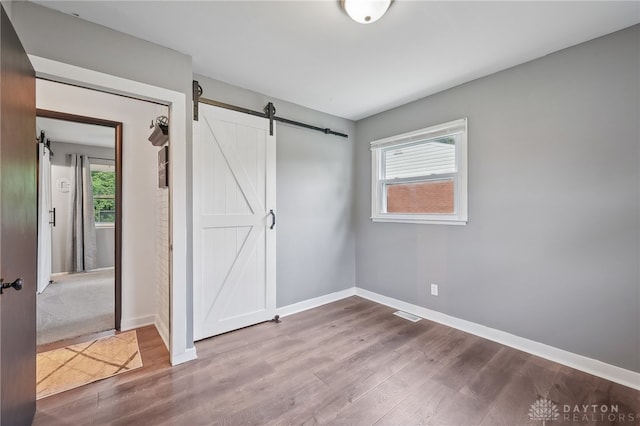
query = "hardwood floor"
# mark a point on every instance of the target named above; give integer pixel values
(347, 363)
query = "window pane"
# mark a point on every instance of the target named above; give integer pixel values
(426, 158)
(432, 197)
(104, 190)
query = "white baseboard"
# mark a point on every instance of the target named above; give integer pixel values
(62, 274)
(163, 331)
(131, 323)
(188, 355)
(579, 362)
(315, 302)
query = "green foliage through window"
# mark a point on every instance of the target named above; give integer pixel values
(104, 196)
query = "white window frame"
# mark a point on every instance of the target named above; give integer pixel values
(378, 194)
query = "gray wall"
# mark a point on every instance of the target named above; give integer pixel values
(8, 7)
(551, 251)
(68, 39)
(314, 190)
(60, 168)
(50, 34)
(315, 175)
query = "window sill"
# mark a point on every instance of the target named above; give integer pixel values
(419, 221)
(105, 225)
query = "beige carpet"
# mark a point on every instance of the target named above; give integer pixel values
(75, 305)
(76, 365)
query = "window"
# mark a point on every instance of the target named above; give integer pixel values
(103, 180)
(421, 176)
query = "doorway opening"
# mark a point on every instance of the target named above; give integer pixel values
(133, 220)
(125, 204)
(172, 317)
(80, 217)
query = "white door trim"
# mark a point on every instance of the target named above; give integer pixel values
(180, 348)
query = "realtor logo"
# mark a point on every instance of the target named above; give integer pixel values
(545, 410)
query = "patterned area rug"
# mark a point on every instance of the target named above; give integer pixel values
(76, 365)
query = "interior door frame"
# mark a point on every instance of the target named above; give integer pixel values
(117, 126)
(180, 339)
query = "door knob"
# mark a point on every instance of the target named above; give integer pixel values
(17, 284)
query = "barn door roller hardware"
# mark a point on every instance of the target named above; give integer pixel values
(45, 142)
(269, 113)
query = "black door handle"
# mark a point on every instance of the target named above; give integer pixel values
(273, 219)
(17, 284)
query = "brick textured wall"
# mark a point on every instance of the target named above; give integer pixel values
(163, 272)
(422, 197)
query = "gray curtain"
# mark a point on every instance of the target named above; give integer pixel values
(83, 228)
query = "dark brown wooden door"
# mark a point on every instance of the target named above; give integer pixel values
(18, 230)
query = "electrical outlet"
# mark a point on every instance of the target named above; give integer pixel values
(434, 289)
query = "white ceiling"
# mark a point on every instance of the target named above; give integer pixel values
(78, 133)
(312, 54)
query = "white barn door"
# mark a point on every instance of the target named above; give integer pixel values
(234, 240)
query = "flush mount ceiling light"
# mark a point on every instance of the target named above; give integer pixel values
(365, 11)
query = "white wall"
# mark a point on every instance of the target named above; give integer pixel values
(60, 259)
(139, 198)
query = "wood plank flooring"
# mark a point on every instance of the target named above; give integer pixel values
(347, 363)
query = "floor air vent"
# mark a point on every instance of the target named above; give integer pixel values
(407, 316)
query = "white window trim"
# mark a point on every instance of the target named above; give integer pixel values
(460, 216)
(104, 225)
